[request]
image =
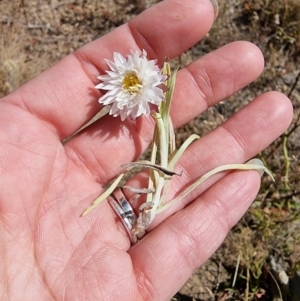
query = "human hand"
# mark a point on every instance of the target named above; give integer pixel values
(50, 252)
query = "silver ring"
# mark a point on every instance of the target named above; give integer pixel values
(128, 212)
(123, 209)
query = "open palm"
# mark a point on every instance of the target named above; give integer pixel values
(49, 252)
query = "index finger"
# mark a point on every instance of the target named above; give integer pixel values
(64, 95)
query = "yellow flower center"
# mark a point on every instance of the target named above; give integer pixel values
(131, 83)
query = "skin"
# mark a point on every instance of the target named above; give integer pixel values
(49, 252)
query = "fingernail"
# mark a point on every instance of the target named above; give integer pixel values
(216, 7)
(257, 161)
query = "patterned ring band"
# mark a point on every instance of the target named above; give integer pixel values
(123, 209)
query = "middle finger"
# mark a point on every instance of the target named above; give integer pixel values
(101, 149)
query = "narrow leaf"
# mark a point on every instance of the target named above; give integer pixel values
(246, 166)
(181, 150)
(104, 195)
(148, 164)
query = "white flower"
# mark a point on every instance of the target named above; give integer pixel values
(131, 85)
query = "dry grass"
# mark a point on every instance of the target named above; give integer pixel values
(35, 34)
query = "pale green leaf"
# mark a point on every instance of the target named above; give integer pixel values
(104, 195)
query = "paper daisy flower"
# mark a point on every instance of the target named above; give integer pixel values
(132, 84)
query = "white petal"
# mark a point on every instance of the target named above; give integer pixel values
(119, 59)
(123, 102)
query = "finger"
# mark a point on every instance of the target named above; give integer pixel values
(171, 253)
(64, 95)
(213, 78)
(236, 141)
(205, 82)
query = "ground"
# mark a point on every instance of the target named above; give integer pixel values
(266, 243)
